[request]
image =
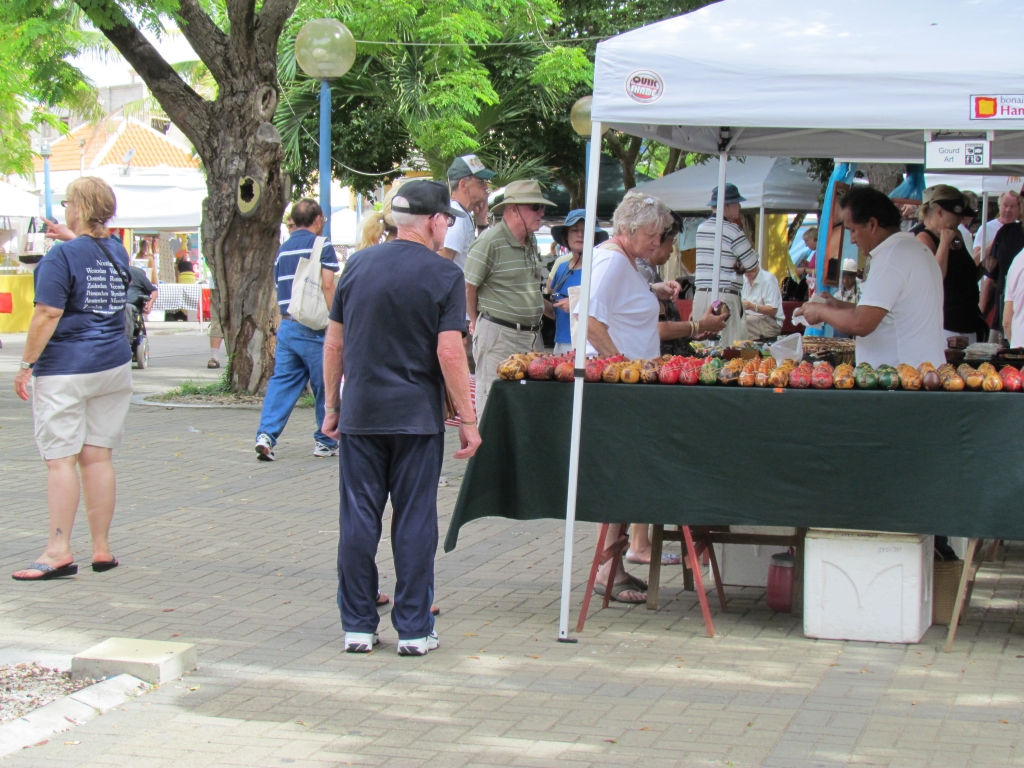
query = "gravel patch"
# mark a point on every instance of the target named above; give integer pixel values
(24, 687)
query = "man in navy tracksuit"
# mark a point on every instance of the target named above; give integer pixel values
(397, 324)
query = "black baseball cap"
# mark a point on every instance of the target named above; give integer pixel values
(424, 198)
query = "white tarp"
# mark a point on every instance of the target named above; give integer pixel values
(993, 185)
(806, 78)
(782, 185)
(140, 207)
(17, 202)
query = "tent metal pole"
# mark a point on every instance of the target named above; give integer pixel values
(580, 341)
(723, 160)
(760, 232)
(984, 220)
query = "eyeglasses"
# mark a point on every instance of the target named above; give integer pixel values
(66, 203)
(536, 207)
(450, 219)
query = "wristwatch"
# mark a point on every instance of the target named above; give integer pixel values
(332, 410)
(26, 366)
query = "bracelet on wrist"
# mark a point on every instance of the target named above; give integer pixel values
(467, 423)
(332, 410)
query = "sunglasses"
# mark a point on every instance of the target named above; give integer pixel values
(536, 207)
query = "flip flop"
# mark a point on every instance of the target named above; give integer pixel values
(618, 589)
(104, 565)
(382, 599)
(667, 558)
(48, 572)
(435, 610)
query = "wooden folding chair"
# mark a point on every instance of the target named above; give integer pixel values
(967, 578)
(691, 568)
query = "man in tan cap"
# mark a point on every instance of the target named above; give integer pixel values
(503, 280)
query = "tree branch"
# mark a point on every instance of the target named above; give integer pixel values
(271, 21)
(184, 107)
(242, 14)
(206, 39)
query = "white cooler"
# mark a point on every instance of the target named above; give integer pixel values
(746, 565)
(866, 585)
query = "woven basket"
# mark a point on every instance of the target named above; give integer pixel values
(945, 583)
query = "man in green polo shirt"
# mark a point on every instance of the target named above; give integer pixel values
(503, 279)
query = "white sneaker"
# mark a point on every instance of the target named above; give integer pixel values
(360, 642)
(418, 646)
(264, 448)
(324, 451)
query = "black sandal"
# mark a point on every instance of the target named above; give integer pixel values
(47, 572)
(104, 565)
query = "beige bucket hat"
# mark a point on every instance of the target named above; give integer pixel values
(522, 193)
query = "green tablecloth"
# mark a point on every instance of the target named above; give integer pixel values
(947, 463)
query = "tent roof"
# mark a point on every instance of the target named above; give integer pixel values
(994, 185)
(781, 183)
(16, 202)
(859, 81)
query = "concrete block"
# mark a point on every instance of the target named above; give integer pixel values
(154, 661)
(111, 693)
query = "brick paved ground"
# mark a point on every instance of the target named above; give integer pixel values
(238, 557)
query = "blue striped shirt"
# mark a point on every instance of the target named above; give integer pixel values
(298, 245)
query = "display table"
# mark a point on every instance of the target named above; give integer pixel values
(948, 463)
(172, 297)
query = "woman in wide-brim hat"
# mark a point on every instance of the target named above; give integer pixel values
(567, 272)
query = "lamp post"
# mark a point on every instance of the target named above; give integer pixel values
(324, 48)
(579, 116)
(45, 152)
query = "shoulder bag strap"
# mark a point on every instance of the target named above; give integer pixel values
(126, 280)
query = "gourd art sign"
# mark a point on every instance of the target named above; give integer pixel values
(970, 154)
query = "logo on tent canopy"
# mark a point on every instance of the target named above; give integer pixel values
(645, 86)
(1000, 107)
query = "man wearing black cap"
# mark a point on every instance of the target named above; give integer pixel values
(467, 178)
(396, 330)
(737, 258)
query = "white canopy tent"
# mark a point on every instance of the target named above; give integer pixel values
(797, 78)
(772, 184)
(769, 184)
(15, 202)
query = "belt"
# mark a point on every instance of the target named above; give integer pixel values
(732, 291)
(507, 324)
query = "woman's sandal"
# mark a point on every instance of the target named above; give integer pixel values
(47, 572)
(382, 599)
(631, 584)
(104, 565)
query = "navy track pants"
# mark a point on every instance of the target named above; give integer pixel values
(408, 468)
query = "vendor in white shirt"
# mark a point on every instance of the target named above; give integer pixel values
(762, 304)
(899, 317)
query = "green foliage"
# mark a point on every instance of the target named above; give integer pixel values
(434, 101)
(36, 38)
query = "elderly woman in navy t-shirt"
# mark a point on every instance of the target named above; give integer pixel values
(79, 355)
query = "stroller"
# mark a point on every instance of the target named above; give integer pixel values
(135, 329)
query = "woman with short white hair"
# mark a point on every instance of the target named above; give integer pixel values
(623, 307)
(623, 313)
(78, 354)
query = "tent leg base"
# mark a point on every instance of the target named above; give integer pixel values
(568, 640)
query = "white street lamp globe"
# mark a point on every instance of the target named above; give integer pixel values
(579, 116)
(325, 48)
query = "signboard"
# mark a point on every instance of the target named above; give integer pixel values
(1006, 106)
(965, 154)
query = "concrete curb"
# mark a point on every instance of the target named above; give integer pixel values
(74, 709)
(141, 400)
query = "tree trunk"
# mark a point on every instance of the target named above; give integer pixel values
(241, 153)
(627, 156)
(883, 176)
(577, 186)
(241, 251)
(674, 153)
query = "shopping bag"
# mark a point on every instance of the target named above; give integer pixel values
(34, 243)
(308, 305)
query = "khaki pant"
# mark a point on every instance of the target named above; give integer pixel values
(492, 343)
(761, 327)
(80, 409)
(734, 329)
